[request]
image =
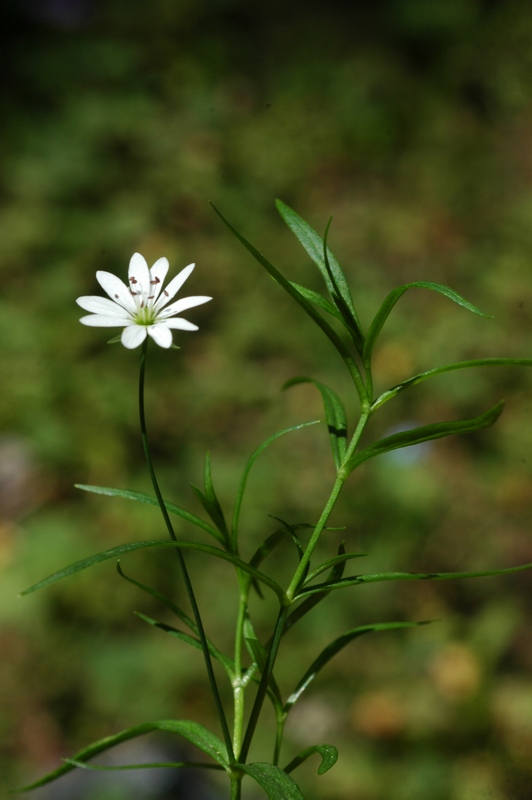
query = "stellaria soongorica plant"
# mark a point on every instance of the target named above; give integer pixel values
(144, 311)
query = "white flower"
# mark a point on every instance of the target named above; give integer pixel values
(142, 309)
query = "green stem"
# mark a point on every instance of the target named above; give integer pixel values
(182, 565)
(281, 719)
(339, 482)
(238, 686)
(236, 787)
(264, 681)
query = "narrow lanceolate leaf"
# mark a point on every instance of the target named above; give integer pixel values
(116, 552)
(251, 460)
(275, 782)
(226, 662)
(162, 597)
(298, 297)
(340, 559)
(385, 309)
(271, 542)
(429, 373)
(308, 604)
(210, 501)
(327, 264)
(259, 655)
(338, 644)
(377, 577)
(152, 501)
(436, 430)
(197, 734)
(328, 753)
(146, 765)
(318, 300)
(335, 415)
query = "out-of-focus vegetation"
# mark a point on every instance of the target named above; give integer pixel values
(410, 123)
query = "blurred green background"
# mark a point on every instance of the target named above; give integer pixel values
(410, 122)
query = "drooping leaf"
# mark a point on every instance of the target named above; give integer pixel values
(425, 433)
(356, 580)
(299, 298)
(328, 753)
(251, 460)
(385, 309)
(429, 373)
(116, 552)
(334, 647)
(152, 501)
(226, 662)
(275, 782)
(335, 415)
(194, 732)
(327, 264)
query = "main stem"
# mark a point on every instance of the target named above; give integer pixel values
(182, 565)
(293, 588)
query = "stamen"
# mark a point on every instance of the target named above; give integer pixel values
(133, 293)
(133, 280)
(151, 296)
(166, 293)
(156, 281)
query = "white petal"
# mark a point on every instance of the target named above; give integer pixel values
(133, 335)
(161, 335)
(116, 290)
(173, 287)
(178, 323)
(183, 304)
(157, 275)
(104, 321)
(139, 275)
(101, 305)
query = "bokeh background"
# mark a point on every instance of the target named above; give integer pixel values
(411, 124)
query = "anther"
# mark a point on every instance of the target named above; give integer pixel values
(156, 281)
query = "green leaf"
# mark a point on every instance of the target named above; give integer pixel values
(328, 753)
(308, 604)
(318, 300)
(385, 309)
(274, 540)
(210, 503)
(147, 765)
(429, 373)
(116, 552)
(332, 649)
(251, 460)
(180, 614)
(259, 655)
(275, 782)
(226, 662)
(436, 430)
(195, 733)
(356, 580)
(327, 264)
(335, 415)
(340, 559)
(297, 296)
(152, 501)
